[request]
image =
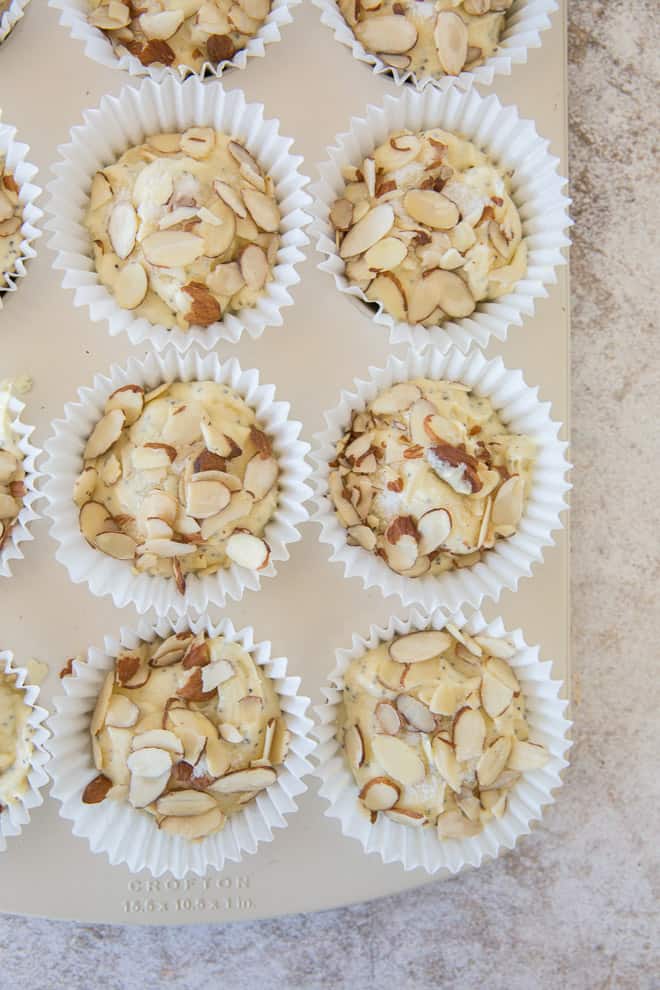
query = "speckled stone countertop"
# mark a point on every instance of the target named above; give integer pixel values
(577, 906)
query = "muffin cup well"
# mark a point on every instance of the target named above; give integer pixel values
(525, 22)
(120, 123)
(14, 153)
(511, 558)
(511, 143)
(20, 530)
(421, 848)
(73, 15)
(130, 836)
(107, 576)
(16, 815)
(11, 17)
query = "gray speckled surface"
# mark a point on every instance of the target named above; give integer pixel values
(577, 906)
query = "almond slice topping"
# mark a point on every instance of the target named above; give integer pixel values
(260, 475)
(248, 550)
(231, 197)
(388, 718)
(354, 746)
(388, 291)
(106, 432)
(434, 527)
(194, 827)
(122, 229)
(185, 802)
(379, 794)
(149, 762)
(263, 210)
(415, 713)
(469, 733)
(393, 34)
(254, 268)
(172, 248)
(117, 545)
(398, 759)
(493, 761)
(431, 208)
(371, 228)
(419, 646)
(451, 41)
(254, 779)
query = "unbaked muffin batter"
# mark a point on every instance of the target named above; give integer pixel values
(429, 39)
(433, 727)
(427, 228)
(12, 474)
(428, 477)
(188, 729)
(11, 220)
(184, 228)
(178, 480)
(179, 32)
(15, 741)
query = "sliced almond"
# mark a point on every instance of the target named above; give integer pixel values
(254, 267)
(388, 718)
(110, 16)
(216, 673)
(405, 816)
(451, 41)
(253, 779)
(502, 671)
(393, 34)
(185, 802)
(166, 548)
(161, 25)
(84, 486)
(446, 763)
(172, 248)
(239, 507)
(101, 191)
(225, 280)
(117, 545)
(96, 790)
(184, 719)
(242, 156)
(122, 712)
(402, 555)
(431, 208)
(419, 646)
(469, 734)
(198, 142)
(206, 498)
(362, 536)
(260, 475)
(454, 825)
(354, 746)
(527, 756)
(149, 762)
(415, 713)
(231, 197)
(434, 527)
(388, 291)
(386, 254)
(493, 761)
(159, 739)
(106, 432)
(500, 648)
(248, 550)
(495, 696)
(368, 231)
(379, 794)
(230, 733)
(102, 702)
(398, 759)
(263, 210)
(193, 827)
(128, 398)
(93, 519)
(446, 698)
(443, 289)
(122, 229)
(508, 503)
(341, 214)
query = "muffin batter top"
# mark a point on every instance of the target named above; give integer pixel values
(11, 220)
(179, 32)
(434, 730)
(188, 729)
(15, 741)
(178, 480)
(184, 228)
(429, 39)
(428, 477)
(427, 227)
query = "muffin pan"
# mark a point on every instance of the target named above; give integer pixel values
(309, 609)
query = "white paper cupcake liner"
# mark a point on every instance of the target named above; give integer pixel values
(11, 17)
(510, 559)
(130, 836)
(106, 576)
(14, 153)
(73, 15)
(421, 848)
(511, 143)
(526, 20)
(20, 530)
(17, 814)
(124, 121)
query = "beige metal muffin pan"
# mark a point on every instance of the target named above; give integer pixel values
(313, 85)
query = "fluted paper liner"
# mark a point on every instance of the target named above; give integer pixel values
(73, 15)
(20, 530)
(14, 153)
(511, 558)
(121, 122)
(11, 17)
(17, 814)
(130, 836)
(524, 24)
(513, 144)
(421, 847)
(106, 576)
